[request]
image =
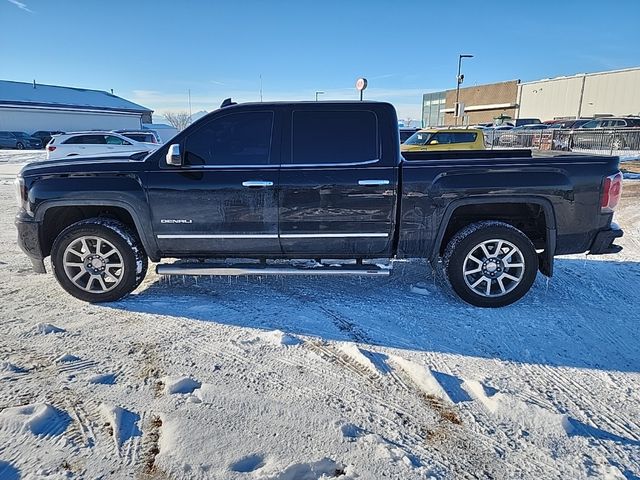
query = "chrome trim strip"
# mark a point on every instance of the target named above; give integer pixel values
(306, 165)
(284, 165)
(368, 183)
(333, 235)
(225, 236)
(270, 235)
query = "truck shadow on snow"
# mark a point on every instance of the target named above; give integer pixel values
(585, 316)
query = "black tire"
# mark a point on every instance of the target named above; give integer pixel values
(19, 146)
(494, 268)
(128, 248)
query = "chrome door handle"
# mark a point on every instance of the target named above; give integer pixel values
(373, 182)
(257, 183)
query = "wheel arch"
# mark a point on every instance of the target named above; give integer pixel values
(444, 232)
(56, 215)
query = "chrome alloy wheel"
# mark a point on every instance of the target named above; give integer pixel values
(93, 264)
(493, 268)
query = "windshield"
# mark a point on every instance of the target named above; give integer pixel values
(419, 138)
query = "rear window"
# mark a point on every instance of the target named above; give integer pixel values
(455, 137)
(322, 137)
(141, 137)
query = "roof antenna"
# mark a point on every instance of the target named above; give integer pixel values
(227, 103)
(34, 83)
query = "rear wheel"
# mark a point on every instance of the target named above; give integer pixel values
(98, 260)
(19, 146)
(490, 264)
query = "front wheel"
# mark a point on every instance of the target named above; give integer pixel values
(98, 260)
(19, 146)
(490, 264)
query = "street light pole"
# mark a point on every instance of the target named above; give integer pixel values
(458, 82)
(318, 93)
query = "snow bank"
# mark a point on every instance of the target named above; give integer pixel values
(7, 367)
(352, 351)
(123, 424)
(46, 329)
(527, 415)
(173, 385)
(421, 376)
(102, 379)
(37, 418)
(277, 337)
(67, 358)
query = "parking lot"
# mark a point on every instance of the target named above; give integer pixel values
(300, 378)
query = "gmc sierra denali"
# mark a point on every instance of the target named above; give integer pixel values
(317, 180)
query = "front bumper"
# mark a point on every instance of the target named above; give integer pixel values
(29, 240)
(603, 241)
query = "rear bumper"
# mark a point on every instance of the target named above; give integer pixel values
(29, 240)
(603, 241)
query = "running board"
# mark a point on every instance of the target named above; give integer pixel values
(257, 269)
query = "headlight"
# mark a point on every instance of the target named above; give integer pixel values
(21, 191)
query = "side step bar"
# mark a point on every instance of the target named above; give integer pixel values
(261, 269)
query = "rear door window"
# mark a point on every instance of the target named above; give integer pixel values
(334, 137)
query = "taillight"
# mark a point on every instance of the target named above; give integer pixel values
(611, 191)
(51, 148)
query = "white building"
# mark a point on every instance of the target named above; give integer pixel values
(29, 107)
(615, 92)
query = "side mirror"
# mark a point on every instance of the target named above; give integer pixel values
(173, 155)
(433, 142)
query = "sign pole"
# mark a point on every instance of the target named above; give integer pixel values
(361, 85)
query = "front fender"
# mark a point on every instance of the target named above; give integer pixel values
(115, 190)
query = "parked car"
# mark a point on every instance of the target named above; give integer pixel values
(434, 140)
(567, 123)
(492, 134)
(145, 136)
(95, 143)
(519, 122)
(612, 122)
(225, 188)
(45, 135)
(405, 133)
(521, 136)
(607, 133)
(19, 140)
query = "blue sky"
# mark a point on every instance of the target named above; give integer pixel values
(153, 52)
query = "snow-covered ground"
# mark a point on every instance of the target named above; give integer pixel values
(303, 378)
(22, 156)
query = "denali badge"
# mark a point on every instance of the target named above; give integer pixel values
(175, 220)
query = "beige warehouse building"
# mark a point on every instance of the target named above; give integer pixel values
(615, 92)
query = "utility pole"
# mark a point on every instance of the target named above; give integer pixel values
(318, 93)
(459, 80)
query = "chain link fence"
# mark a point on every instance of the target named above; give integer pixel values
(621, 141)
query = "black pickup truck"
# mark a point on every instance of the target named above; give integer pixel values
(317, 180)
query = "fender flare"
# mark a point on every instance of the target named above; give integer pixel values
(143, 228)
(546, 258)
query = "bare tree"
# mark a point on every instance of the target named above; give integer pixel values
(178, 120)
